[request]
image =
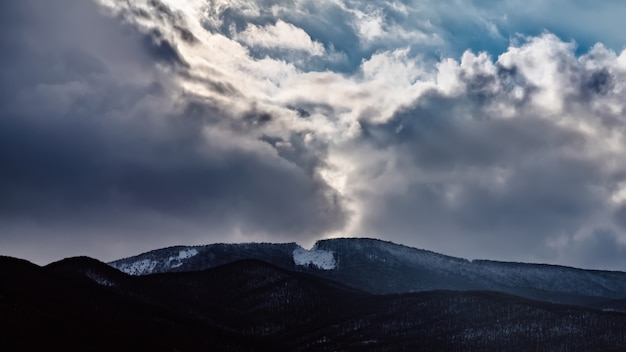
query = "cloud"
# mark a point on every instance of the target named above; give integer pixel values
(598, 248)
(501, 156)
(430, 124)
(281, 36)
(104, 145)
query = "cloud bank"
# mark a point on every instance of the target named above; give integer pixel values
(464, 129)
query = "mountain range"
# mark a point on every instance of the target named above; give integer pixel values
(342, 295)
(382, 267)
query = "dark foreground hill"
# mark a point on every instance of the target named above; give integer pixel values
(80, 304)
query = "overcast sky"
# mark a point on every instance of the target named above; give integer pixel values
(478, 129)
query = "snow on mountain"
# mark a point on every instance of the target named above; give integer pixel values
(317, 257)
(175, 262)
(181, 258)
(384, 267)
(139, 267)
(147, 266)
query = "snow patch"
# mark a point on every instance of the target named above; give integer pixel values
(320, 258)
(153, 265)
(187, 253)
(140, 267)
(177, 261)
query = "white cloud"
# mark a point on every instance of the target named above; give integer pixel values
(501, 155)
(441, 139)
(281, 35)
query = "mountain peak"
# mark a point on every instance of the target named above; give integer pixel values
(384, 267)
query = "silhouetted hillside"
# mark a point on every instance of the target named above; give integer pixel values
(81, 304)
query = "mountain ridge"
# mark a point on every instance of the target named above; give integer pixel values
(384, 267)
(251, 305)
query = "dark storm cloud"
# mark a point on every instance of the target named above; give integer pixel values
(599, 249)
(127, 126)
(94, 136)
(513, 156)
(474, 180)
(159, 48)
(78, 165)
(485, 177)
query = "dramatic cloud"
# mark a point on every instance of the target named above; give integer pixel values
(99, 144)
(476, 130)
(520, 155)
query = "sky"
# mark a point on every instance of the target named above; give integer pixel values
(478, 129)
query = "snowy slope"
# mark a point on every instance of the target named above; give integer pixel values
(384, 267)
(316, 257)
(175, 258)
(193, 258)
